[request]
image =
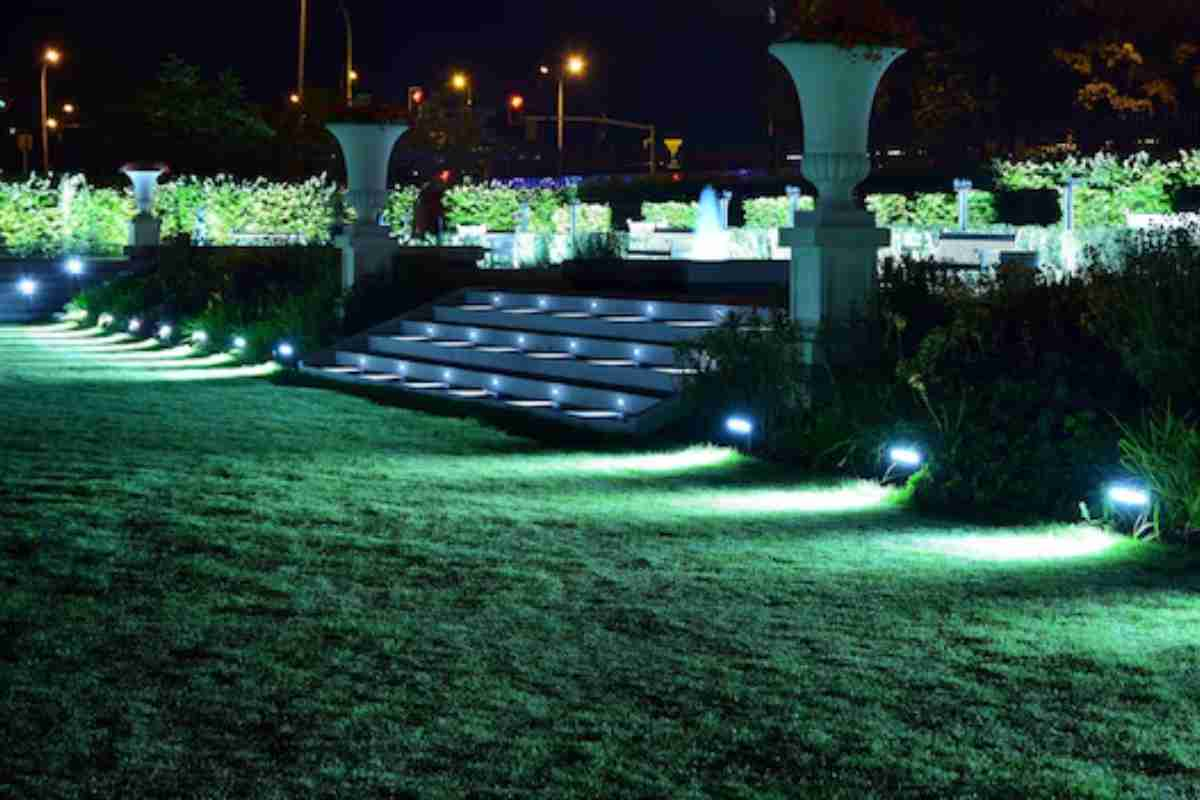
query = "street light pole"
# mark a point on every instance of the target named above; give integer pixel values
(349, 56)
(51, 56)
(303, 47)
(560, 123)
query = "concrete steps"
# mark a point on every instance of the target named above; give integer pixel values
(602, 363)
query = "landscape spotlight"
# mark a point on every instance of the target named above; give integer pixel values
(1131, 496)
(739, 425)
(75, 266)
(239, 343)
(200, 337)
(285, 350)
(135, 325)
(105, 320)
(27, 287)
(905, 457)
(165, 331)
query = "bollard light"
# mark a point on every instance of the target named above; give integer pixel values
(739, 425)
(1124, 494)
(903, 456)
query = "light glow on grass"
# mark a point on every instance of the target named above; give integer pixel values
(692, 458)
(1071, 543)
(217, 374)
(850, 497)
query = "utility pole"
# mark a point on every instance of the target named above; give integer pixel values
(303, 47)
(349, 55)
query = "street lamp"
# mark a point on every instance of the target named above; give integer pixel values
(575, 65)
(50, 58)
(461, 83)
(68, 108)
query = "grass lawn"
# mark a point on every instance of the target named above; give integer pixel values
(215, 586)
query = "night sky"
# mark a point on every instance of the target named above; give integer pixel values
(694, 68)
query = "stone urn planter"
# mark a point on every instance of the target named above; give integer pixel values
(367, 147)
(834, 249)
(145, 230)
(837, 88)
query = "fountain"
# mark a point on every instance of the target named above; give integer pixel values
(710, 241)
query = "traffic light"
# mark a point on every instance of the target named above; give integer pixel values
(416, 96)
(516, 107)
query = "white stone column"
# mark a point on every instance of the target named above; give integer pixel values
(145, 230)
(367, 148)
(835, 248)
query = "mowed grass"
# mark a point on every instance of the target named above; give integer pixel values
(215, 586)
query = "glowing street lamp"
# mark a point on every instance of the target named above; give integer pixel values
(575, 65)
(50, 58)
(294, 98)
(461, 83)
(68, 108)
(52, 124)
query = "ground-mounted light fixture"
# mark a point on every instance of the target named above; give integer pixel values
(27, 287)
(741, 427)
(239, 343)
(903, 461)
(285, 351)
(199, 338)
(74, 266)
(165, 332)
(1128, 496)
(105, 320)
(135, 325)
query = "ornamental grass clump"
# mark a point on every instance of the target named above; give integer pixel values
(1163, 452)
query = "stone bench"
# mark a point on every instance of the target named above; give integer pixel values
(974, 248)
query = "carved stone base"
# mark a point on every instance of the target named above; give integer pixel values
(833, 283)
(366, 250)
(145, 230)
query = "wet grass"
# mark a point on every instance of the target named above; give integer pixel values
(215, 586)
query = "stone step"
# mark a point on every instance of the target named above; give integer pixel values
(627, 370)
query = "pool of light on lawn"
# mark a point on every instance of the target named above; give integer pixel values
(854, 496)
(1067, 543)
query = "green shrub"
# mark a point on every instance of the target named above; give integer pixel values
(674, 215)
(1164, 453)
(1144, 305)
(497, 205)
(890, 209)
(772, 212)
(751, 369)
(591, 218)
(307, 210)
(399, 211)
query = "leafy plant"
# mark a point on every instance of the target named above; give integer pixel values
(1164, 453)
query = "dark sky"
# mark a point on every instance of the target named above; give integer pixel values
(696, 68)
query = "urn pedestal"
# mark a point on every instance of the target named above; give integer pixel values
(367, 248)
(145, 230)
(835, 248)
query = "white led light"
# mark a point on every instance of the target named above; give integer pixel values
(239, 343)
(135, 325)
(1129, 496)
(200, 337)
(27, 287)
(75, 266)
(285, 350)
(740, 426)
(906, 456)
(165, 331)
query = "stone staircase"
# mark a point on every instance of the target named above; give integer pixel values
(603, 363)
